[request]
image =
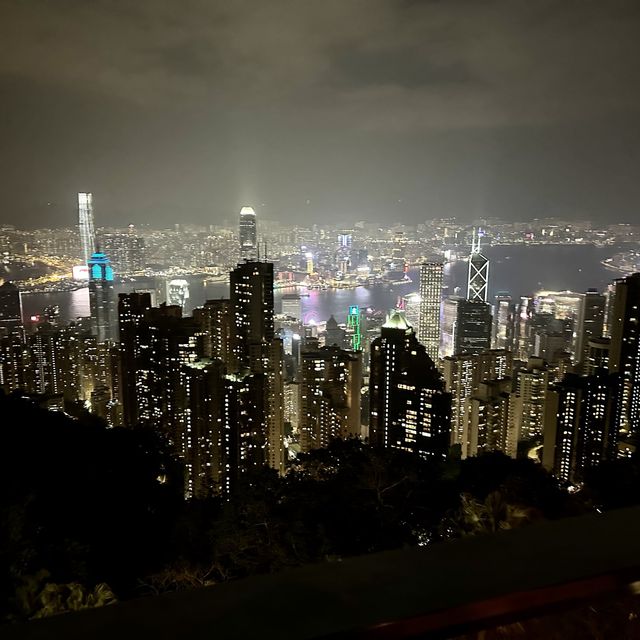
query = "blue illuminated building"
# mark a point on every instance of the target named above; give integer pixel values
(101, 297)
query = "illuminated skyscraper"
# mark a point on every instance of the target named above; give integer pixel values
(330, 383)
(10, 308)
(409, 407)
(478, 276)
(101, 297)
(429, 319)
(248, 234)
(503, 321)
(590, 324)
(624, 354)
(257, 352)
(86, 226)
(578, 430)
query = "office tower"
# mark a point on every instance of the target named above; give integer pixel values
(449, 326)
(409, 407)
(473, 327)
(86, 226)
(410, 304)
(178, 293)
(463, 374)
(609, 296)
(255, 350)
(132, 311)
(14, 360)
(487, 423)
(597, 355)
(330, 384)
(167, 343)
(478, 274)
(578, 428)
(10, 309)
(430, 296)
(522, 325)
(251, 291)
(215, 321)
(624, 354)
(126, 250)
(354, 328)
(248, 234)
(292, 305)
(204, 446)
(503, 321)
(101, 297)
(529, 398)
(590, 324)
(563, 310)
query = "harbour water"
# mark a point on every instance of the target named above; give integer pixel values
(520, 270)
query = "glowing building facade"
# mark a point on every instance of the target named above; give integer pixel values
(86, 226)
(429, 318)
(101, 297)
(478, 275)
(409, 407)
(248, 234)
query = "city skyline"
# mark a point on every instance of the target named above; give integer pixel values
(286, 283)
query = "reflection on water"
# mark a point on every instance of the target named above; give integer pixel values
(518, 269)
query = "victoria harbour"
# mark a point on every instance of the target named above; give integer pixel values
(516, 269)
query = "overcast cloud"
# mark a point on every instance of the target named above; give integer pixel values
(173, 111)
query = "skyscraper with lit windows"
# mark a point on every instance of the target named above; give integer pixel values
(409, 407)
(86, 226)
(429, 319)
(248, 234)
(101, 297)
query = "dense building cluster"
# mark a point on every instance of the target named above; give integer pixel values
(234, 385)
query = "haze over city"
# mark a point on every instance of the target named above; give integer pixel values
(319, 320)
(333, 110)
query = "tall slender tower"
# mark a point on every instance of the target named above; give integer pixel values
(101, 297)
(258, 355)
(85, 223)
(624, 355)
(248, 234)
(478, 278)
(429, 318)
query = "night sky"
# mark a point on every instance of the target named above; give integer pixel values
(182, 111)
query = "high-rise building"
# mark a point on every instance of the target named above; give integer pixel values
(590, 324)
(330, 383)
(10, 308)
(101, 297)
(478, 274)
(248, 234)
(624, 354)
(86, 226)
(132, 312)
(597, 355)
(430, 298)
(503, 322)
(578, 427)
(473, 327)
(292, 306)
(255, 350)
(463, 375)
(409, 407)
(215, 320)
(529, 398)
